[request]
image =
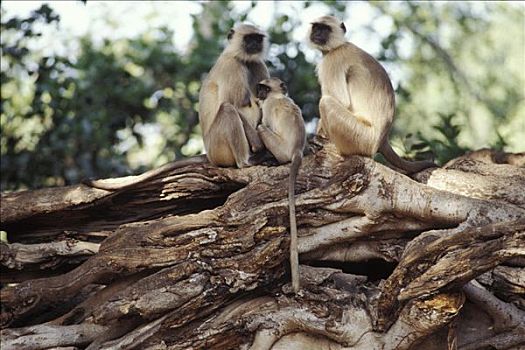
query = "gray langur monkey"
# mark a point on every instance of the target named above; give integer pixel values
(357, 99)
(283, 133)
(228, 111)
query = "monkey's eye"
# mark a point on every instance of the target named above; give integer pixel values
(262, 91)
(258, 38)
(259, 88)
(321, 27)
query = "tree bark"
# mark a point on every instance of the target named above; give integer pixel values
(196, 258)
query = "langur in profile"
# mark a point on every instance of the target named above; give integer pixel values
(357, 99)
(283, 133)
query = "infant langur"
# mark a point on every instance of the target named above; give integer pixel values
(282, 132)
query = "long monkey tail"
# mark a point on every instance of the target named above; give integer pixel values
(128, 181)
(409, 167)
(294, 254)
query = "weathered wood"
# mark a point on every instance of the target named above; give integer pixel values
(433, 262)
(16, 255)
(197, 258)
(507, 283)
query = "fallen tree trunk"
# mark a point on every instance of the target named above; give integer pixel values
(197, 258)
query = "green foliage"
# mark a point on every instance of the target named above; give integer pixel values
(83, 117)
(445, 144)
(289, 64)
(101, 108)
(459, 58)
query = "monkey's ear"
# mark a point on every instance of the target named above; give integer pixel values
(343, 27)
(230, 34)
(283, 88)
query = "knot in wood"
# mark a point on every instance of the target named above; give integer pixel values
(354, 184)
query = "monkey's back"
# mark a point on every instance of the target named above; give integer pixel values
(370, 92)
(284, 117)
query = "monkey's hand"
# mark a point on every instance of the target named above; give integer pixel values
(265, 133)
(321, 128)
(252, 135)
(261, 129)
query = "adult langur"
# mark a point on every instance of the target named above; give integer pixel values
(228, 112)
(357, 99)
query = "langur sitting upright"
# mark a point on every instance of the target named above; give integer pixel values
(228, 111)
(282, 132)
(357, 103)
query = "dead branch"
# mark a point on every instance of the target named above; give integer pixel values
(197, 258)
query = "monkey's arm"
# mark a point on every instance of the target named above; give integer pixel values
(251, 134)
(334, 74)
(338, 88)
(232, 88)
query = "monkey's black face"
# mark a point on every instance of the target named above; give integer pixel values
(262, 91)
(320, 33)
(253, 43)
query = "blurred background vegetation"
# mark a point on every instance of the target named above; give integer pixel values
(102, 104)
